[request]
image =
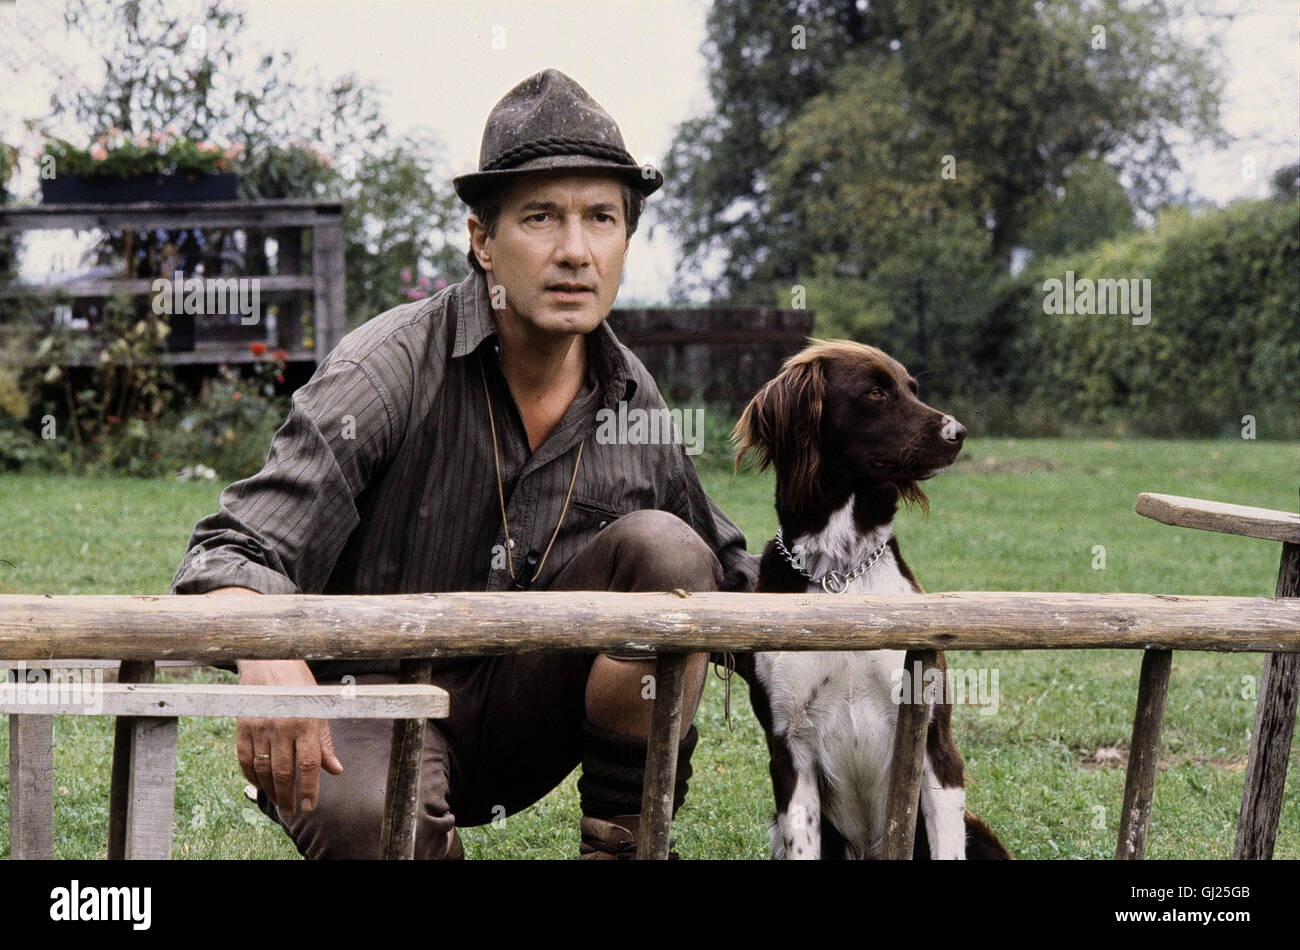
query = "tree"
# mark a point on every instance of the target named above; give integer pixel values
(871, 101)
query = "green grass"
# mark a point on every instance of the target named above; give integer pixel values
(1012, 515)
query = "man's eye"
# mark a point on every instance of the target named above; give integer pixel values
(539, 216)
(604, 218)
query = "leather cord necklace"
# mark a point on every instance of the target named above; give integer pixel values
(532, 556)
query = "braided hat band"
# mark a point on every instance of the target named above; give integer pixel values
(557, 145)
(548, 121)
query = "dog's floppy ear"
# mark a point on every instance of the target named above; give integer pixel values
(782, 426)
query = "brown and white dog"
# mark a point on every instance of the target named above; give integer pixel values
(848, 438)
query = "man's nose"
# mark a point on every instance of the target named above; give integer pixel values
(573, 249)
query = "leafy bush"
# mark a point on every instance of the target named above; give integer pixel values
(1222, 341)
(227, 427)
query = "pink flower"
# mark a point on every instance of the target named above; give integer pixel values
(424, 283)
(140, 140)
(406, 275)
(440, 283)
(98, 152)
(415, 293)
(233, 151)
(158, 136)
(206, 146)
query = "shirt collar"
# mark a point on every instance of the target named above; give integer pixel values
(476, 324)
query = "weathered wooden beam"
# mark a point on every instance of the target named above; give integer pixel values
(1241, 520)
(405, 762)
(1270, 741)
(204, 699)
(151, 790)
(902, 806)
(1144, 755)
(145, 215)
(329, 308)
(496, 623)
(660, 777)
(31, 788)
(125, 730)
(266, 286)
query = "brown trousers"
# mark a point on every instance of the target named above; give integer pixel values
(515, 727)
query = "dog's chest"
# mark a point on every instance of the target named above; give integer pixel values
(835, 711)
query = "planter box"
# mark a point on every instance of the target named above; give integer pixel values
(74, 190)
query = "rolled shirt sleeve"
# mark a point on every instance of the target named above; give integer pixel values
(282, 530)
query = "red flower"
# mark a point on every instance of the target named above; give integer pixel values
(259, 349)
(237, 394)
(113, 420)
(279, 377)
(280, 355)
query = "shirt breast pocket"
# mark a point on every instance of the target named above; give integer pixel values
(587, 518)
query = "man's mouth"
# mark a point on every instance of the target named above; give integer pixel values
(573, 289)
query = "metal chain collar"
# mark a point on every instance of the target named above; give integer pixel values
(833, 582)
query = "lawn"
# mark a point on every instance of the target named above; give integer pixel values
(1045, 767)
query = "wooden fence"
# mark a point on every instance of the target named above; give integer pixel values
(412, 628)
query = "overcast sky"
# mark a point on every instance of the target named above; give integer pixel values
(442, 65)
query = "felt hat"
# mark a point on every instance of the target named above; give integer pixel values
(549, 121)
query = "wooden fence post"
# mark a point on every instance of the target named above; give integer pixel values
(909, 762)
(402, 791)
(661, 757)
(124, 733)
(31, 786)
(1144, 754)
(1270, 742)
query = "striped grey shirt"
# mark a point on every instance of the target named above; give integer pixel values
(381, 481)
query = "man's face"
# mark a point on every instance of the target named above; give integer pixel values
(558, 251)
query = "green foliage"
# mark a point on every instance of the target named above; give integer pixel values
(1089, 207)
(8, 164)
(830, 141)
(1222, 341)
(108, 413)
(228, 427)
(114, 154)
(399, 222)
(286, 171)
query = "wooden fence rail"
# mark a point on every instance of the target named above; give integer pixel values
(414, 628)
(316, 627)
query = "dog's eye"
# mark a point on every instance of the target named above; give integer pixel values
(875, 392)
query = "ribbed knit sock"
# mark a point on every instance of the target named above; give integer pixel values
(613, 771)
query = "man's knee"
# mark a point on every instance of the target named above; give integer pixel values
(663, 551)
(348, 820)
(351, 830)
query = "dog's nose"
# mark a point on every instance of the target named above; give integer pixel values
(953, 431)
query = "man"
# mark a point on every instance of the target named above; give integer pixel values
(450, 444)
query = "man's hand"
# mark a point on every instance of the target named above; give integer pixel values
(270, 749)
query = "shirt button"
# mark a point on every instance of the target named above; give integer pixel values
(602, 524)
(511, 544)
